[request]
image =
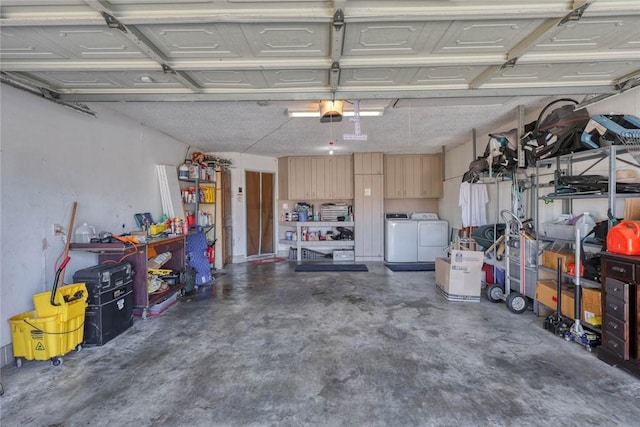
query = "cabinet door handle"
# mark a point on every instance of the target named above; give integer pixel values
(612, 326)
(618, 269)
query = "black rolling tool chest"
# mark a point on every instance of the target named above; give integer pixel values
(110, 310)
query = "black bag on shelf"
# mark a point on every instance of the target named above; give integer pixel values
(556, 134)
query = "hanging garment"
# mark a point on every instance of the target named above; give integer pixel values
(473, 200)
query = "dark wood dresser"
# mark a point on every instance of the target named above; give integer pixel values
(620, 312)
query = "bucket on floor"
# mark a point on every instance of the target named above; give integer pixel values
(50, 330)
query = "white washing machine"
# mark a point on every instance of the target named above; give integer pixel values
(400, 238)
(432, 236)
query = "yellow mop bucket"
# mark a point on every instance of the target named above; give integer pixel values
(55, 327)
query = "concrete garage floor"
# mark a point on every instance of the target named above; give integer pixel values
(268, 346)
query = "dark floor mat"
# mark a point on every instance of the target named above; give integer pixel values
(331, 267)
(412, 266)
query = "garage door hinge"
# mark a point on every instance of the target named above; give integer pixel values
(575, 15)
(54, 96)
(338, 19)
(112, 22)
(167, 69)
(510, 63)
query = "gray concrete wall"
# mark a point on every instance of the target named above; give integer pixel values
(52, 156)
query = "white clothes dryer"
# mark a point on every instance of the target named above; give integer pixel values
(432, 236)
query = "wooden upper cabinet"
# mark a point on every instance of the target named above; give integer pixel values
(394, 186)
(341, 177)
(299, 177)
(368, 164)
(432, 170)
(320, 177)
(412, 176)
(414, 179)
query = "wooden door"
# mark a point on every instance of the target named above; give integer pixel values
(227, 218)
(254, 219)
(267, 209)
(259, 195)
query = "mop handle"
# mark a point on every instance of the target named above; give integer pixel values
(55, 282)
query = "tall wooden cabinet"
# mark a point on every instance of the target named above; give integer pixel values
(369, 206)
(412, 176)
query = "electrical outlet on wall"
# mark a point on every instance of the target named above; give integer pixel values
(57, 230)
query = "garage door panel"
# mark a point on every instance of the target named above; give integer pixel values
(491, 36)
(389, 38)
(231, 40)
(567, 73)
(446, 75)
(101, 80)
(191, 40)
(593, 34)
(383, 76)
(28, 43)
(294, 78)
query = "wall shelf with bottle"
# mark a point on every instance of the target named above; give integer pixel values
(198, 193)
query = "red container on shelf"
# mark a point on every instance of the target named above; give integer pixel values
(624, 238)
(191, 219)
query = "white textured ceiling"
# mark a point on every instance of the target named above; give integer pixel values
(220, 75)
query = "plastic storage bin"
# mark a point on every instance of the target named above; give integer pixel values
(560, 231)
(50, 331)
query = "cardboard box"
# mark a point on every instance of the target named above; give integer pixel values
(159, 260)
(459, 278)
(547, 294)
(550, 258)
(592, 306)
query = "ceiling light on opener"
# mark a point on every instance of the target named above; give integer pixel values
(315, 113)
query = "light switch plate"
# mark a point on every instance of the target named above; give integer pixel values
(367, 191)
(285, 206)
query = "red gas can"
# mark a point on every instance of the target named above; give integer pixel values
(624, 238)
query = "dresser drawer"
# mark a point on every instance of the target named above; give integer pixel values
(617, 289)
(614, 307)
(619, 270)
(616, 346)
(616, 328)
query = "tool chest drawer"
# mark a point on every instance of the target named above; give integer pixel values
(615, 327)
(617, 289)
(616, 308)
(616, 346)
(620, 270)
